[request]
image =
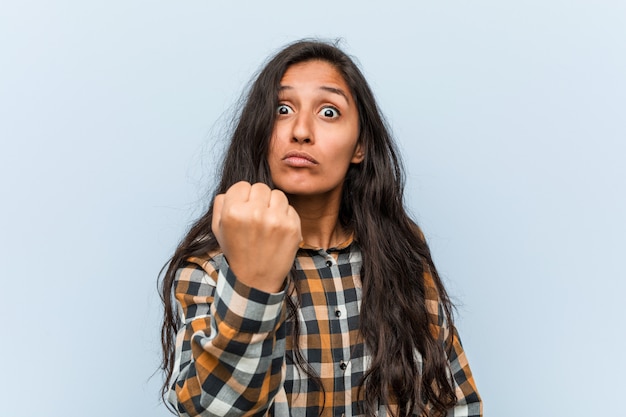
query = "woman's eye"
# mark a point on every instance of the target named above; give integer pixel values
(284, 109)
(330, 112)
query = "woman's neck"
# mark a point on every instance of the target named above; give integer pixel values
(319, 217)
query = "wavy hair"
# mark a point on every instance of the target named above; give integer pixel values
(395, 255)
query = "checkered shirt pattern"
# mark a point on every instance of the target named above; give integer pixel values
(234, 351)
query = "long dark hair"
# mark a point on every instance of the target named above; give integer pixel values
(395, 255)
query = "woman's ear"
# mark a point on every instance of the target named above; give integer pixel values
(358, 155)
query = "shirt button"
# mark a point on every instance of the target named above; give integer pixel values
(329, 263)
(343, 365)
(338, 313)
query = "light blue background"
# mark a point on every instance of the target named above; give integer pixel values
(510, 115)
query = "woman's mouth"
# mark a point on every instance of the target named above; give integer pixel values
(299, 159)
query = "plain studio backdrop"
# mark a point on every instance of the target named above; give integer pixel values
(510, 117)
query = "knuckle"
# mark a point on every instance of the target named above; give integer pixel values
(278, 195)
(260, 186)
(238, 188)
(232, 215)
(273, 222)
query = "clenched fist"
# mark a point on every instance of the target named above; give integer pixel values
(259, 233)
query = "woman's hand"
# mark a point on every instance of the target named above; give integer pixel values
(259, 233)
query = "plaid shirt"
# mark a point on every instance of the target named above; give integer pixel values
(234, 351)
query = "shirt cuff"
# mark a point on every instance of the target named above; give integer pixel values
(245, 308)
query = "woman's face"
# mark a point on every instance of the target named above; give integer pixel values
(315, 135)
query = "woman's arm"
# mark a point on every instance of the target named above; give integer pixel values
(230, 349)
(469, 403)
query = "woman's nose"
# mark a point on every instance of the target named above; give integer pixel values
(302, 129)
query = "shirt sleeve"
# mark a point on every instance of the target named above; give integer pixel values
(469, 403)
(230, 348)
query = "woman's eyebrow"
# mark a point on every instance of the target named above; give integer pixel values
(333, 90)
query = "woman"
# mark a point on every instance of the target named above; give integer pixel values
(306, 289)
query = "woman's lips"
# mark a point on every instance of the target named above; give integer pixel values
(299, 159)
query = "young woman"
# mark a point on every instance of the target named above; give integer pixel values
(306, 289)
